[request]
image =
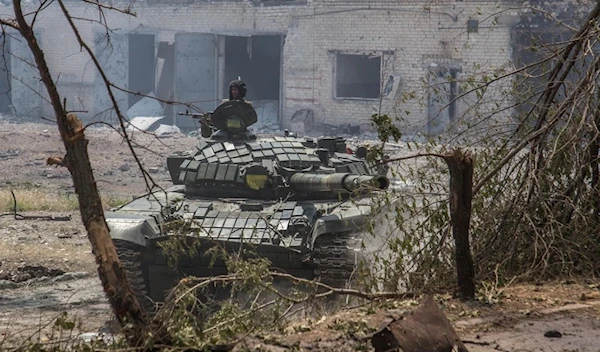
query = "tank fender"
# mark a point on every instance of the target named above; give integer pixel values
(350, 218)
(349, 221)
(134, 229)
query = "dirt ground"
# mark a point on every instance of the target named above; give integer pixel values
(24, 148)
(46, 267)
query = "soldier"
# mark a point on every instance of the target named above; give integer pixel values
(237, 90)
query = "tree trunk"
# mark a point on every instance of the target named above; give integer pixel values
(461, 195)
(115, 284)
(594, 165)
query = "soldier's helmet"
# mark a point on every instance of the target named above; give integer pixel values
(241, 87)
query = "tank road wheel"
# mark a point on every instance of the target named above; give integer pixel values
(131, 258)
(336, 257)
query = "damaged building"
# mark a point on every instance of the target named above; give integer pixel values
(306, 62)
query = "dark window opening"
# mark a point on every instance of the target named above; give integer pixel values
(141, 65)
(5, 84)
(357, 76)
(472, 26)
(257, 60)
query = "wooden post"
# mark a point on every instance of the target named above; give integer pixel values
(461, 194)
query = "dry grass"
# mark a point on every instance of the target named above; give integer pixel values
(59, 245)
(32, 198)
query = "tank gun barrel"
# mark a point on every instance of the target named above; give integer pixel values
(335, 182)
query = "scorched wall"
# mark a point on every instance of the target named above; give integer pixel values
(324, 41)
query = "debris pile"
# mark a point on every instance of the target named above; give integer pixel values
(29, 272)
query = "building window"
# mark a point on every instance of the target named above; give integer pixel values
(472, 26)
(357, 76)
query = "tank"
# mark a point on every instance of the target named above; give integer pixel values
(301, 203)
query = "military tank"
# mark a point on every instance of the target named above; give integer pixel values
(301, 203)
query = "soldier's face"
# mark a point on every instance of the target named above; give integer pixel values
(234, 92)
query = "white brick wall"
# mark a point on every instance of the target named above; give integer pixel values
(409, 33)
(312, 31)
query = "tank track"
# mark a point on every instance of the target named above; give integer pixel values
(335, 256)
(130, 256)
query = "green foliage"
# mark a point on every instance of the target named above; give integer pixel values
(540, 213)
(114, 201)
(386, 128)
(209, 311)
(411, 230)
(213, 310)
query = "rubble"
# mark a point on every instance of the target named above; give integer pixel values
(90, 337)
(64, 235)
(143, 123)
(9, 154)
(552, 334)
(302, 121)
(167, 130)
(29, 272)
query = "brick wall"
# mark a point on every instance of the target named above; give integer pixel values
(314, 32)
(415, 39)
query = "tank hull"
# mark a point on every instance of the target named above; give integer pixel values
(311, 240)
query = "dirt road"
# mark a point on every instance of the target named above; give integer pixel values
(24, 148)
(31, 309)
(573, 329)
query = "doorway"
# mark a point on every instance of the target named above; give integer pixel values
(142, 62)
(128, 60)
(256, 60)
(442, 98)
